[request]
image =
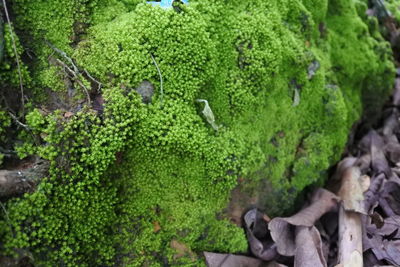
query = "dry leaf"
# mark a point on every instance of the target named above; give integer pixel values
(282, 229)
(156, 227)
(308, 248)
(68, 114)
(182, 250)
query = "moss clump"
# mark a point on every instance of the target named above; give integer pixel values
(5, 122)
(284, 79)
(9, 75)
(393, 6)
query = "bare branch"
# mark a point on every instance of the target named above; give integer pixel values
(94, 80)
(16, 55)
(75, 76)
(26, 127)
(161, 79)
(64, 55)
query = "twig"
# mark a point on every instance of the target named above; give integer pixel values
(353, 185)
(16, 56)
(84, 89)
(75, 76)
(63, 54)
(74, 71)
(26, 127)
(94, 80)
(161, 79)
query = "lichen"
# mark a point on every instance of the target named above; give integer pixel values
(127, 181)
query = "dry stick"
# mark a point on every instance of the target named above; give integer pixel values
(350, 230)
(16, 56)
(75, 71)
(26, 127)
(350, 238)
(64, 55)
(94, 80)
(161, 79)
(75, 76)
(75, 68)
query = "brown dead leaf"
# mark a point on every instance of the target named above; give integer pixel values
(156, 227)
(68, 114)
(390, 198)
(182, 250)
(259, 238)
(390, 228)
(282, 229)
(308, 247)
(371, 196)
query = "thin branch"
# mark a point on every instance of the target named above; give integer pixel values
(63, 54)
(161, 79)
(94, 80)
(74, 71)
(67, 68)
(76, 78)
(16, 55)
(85, 89)
(26, 127)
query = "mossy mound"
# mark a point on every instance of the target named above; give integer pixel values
(285, 80)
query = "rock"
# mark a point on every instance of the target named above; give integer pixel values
(146, 90)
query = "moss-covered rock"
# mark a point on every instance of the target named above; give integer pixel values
(285, 80)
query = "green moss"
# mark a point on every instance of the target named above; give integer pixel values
(5, 122)
(394, 8)
(284, 79)
(9, 75)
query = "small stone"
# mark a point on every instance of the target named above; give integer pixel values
(146, 90)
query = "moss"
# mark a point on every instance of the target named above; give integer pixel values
(9, 75)
(5, 122)
(394, 8)
(284, 79)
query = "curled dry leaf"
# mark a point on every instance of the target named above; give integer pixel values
(283, 229)
(390, 200)
(308, 247)
(389, 228)
(260, 241)
(373, 144)
(68, 114)
(371, 196)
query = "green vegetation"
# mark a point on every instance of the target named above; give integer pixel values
(284, 79)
